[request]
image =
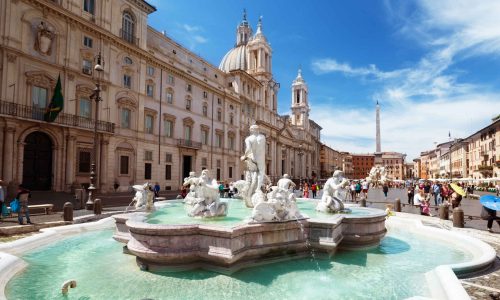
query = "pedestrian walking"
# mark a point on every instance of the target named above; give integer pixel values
(491, 215)
(410, 192)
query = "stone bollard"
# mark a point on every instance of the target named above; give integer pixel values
(68, 211)
(363, 203)
(397, 205)
(458, 217)
(443, 212)
(97, 207)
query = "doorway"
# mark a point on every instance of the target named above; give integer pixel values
(186, 166)
(37, 162)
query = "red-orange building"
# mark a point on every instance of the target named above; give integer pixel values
(362, 164)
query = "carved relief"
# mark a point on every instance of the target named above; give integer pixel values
(40, 79)
(84, 90)
(44, 38)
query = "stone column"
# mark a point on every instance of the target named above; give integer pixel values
(104, 166)
(279, 158)
(70, 161)
(8, 157)
(20, 161)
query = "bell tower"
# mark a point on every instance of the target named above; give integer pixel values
(244, 31)
(300, 102)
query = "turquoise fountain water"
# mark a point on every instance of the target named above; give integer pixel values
(174, 213)
(394, 270)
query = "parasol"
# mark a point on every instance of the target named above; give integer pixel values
(457, 189)
(490, 201)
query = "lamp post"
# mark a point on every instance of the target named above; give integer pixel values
(96, 96)
(300, 154)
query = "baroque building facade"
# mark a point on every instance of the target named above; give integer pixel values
(165, 111)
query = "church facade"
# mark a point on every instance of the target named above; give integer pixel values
(165, 111)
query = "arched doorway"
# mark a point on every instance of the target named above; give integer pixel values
(37, 163)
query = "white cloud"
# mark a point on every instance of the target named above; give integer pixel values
(191, 35)
(423, 102)
(408, 129)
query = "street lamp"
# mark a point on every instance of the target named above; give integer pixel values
(96, 96)
(300, 154)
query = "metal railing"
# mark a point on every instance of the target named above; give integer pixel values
(37, 114)
(188, 144)
(129, 37)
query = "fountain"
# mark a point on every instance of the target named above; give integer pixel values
(275, 229)
(243, 239)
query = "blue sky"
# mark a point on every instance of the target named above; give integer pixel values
(434, 66)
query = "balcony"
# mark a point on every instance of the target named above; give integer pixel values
(36, 114)
(188, 144)
(129, 37)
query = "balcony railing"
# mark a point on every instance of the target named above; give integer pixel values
(34, 113)
(188, 144)
(129, 37)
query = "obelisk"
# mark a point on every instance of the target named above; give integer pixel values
(378, 150)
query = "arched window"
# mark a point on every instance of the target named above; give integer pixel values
(128, 26)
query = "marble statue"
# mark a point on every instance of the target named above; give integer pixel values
(255, 161)
(377, 174)
(144, 196)
(332, 200)
(203, 197)
(279, 204)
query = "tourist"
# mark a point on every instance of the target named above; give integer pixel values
(492, 216)
(313, 190)
(306, 190)
(352, 188)
(385, 189)
(156, 190)
(183, 192)
(358, 189)
(411, 193)
(364, 187)
(436, 192)
(23, 195)
(231, 190)
(425, 208)
(445, 192)
(455, 200)
(221, 190)
(497, 187)
(419, 198)
(427, 188)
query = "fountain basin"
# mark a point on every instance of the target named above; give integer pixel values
(228, 249)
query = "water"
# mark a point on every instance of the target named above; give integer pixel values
(175, 213)
(394, 270)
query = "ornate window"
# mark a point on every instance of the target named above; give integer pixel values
(124, 165)
(204, 134)
(89, 6)
(171, 80)
(188, 103)
(85, 108)
(87, 67)
(231, 119)
(84, 160)
(149, 90)
(219, 115)
(87, 42)
(150, 71)
(148, 155)
(39, 97)
(125, 118)
(127, 81)
(128, 27)
(170, 96)
(187, 132)
(218, 139)
(168, 125)
(148, 124)
(205, 109)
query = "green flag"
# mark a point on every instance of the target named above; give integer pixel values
(56, 104)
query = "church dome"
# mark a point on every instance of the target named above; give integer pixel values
(235, 59)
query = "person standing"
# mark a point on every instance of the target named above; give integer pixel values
(313, 190)
(364, 186)
(497, 187)
(436, 190)
(411, 193)
(157, 190)
(385, 189)
(23, 195)
(306, 190)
